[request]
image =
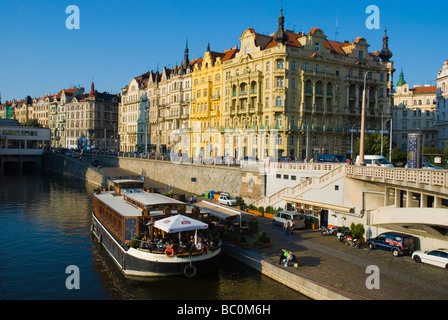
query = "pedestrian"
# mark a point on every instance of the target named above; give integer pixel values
(290, 226)
(286, 227)
(289, 258)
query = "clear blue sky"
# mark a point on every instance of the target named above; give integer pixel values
(119, 40)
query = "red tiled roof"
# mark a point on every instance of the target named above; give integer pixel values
(424, 90)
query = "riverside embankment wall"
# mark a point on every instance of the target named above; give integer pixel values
(195, 178)
(75, 168)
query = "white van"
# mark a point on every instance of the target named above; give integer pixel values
(298, 219)
(379, 161)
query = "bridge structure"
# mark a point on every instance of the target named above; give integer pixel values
(21, 147)
(412, 201)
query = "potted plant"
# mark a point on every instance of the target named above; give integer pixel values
(167, 210)
(181, 208)
(357, 231)
(195, 209)
(145, 212)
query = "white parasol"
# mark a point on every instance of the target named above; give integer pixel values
(179, 223)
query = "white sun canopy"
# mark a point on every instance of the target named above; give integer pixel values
(179, 223)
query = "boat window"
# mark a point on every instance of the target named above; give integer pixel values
(131, 228)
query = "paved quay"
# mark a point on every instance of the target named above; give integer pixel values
(327, 268)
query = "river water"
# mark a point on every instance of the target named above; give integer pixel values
(45, 228)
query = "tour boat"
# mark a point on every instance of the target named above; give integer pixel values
(126, 221)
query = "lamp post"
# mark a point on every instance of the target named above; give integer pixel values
(351, 140)
(363, 120)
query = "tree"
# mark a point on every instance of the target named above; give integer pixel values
(34, 123)
(399, 155)
(372, 144)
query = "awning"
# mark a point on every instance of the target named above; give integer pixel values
(179, 223)
(322, 205)
(217, 210)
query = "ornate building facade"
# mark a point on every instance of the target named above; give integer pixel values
(442, 106)
(414, 112)
(92, 120)
(297, 95)
(285, 94)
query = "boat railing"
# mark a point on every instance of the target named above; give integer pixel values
(178, 250)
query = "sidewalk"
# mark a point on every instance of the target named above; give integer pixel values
(332, 265)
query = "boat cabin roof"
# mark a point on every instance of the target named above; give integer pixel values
(123, 204)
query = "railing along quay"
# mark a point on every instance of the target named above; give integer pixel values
(417, 178)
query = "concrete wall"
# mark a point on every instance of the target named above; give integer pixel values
(74, 167)
(234, 180)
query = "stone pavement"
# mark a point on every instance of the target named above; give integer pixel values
(330, 263)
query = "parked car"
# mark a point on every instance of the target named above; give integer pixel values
(427, 165)
(298, 219)
(398, 243)
(286, 159)
(95, 163)
(227, 200)
(334, 158)
(373, 160)
(437, 257)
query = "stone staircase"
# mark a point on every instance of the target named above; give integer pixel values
(310, 183)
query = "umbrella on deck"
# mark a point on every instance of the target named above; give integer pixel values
(179, 223)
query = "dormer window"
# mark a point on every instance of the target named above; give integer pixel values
(316, 46)
(247, 50)
(360, 54)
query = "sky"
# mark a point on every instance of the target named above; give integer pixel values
(119, 40)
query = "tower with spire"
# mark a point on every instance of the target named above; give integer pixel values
(385, 53)
(92, 90)
(280, 35)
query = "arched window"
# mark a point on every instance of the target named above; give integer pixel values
(278, 101)
(279, 139)
(280, 64)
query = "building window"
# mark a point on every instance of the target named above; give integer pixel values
(268, 66)
(316, 46)
(247, 50)
(280, 64)
(279, 139)
(360, 54)
(293, 83)
(293, 65)
(278, 101)
(305, 66)
(279, 82)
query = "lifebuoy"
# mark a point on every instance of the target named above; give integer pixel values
(190, 271)
(169, 252)
(205, 249)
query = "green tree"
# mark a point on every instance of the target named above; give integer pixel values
(399, 155)
(372, 144)
(32, 123)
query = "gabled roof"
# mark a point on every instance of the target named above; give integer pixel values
(424, 90)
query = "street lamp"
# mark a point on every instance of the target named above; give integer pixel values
(351, 140)
(363, 120)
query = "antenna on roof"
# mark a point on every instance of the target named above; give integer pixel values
(336, 33)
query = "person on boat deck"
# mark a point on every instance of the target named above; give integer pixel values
(160, 244)
(200, 245)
